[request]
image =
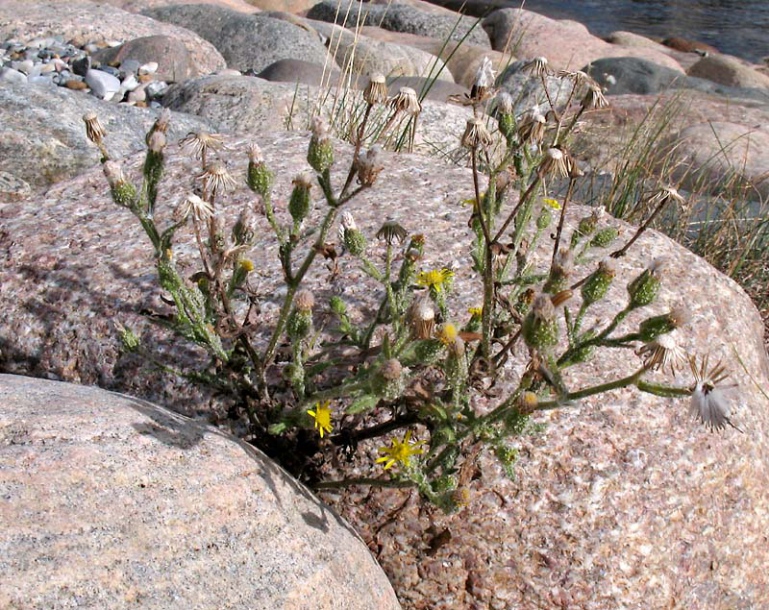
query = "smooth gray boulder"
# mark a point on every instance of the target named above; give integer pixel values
(111, 502)
(401, 18)
(42, 134)
(247, 42)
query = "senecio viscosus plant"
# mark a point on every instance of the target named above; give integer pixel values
(407, 375)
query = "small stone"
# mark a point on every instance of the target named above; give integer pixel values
(46, 68)
(129, 83)
(156, 88)
(82, 65)
(138, 95)
(41, 80)
(23, 66)
(149, 68)
(75, 85)
(102, 85)
(129, 66)
(91, 48)
(12, 76)
(110, 70)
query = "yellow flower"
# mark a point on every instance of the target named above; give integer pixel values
(447, 333)
(437, 279)
(476, 312)
(552, 203)
(322, 417)
(399, 452)
(246, 265)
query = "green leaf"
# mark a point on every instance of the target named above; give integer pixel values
(363, 404)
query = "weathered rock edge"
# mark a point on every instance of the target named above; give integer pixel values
(110, 501)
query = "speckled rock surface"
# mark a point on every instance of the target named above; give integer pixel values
(42, 135)
(25, 20)
(242, 105)
(622, 501)
(247, 42)
(112, 502)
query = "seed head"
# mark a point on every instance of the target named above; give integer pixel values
(556, 162)
(368, 166)
(663, 352)
(476, 135)
(421, 318)
(93, 128)
(532, 127)
(216, 178)
(201, 142)
(391, 231)
(304, 300)
(195, 206)
(483, 85)
(376, 90)
(406, 101)
(594, 98)
(537, 66)
(708, 402)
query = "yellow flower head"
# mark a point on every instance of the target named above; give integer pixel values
(551, 203)
(476, 312)
(447, 333)
(246, 265)
(437, 279)
(399, 451)
(322, 417)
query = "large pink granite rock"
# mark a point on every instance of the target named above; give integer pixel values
(112, 502)
(566, 44)
(621, 500)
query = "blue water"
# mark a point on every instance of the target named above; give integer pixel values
(736, 27)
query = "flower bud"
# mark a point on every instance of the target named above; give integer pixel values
(320, 154)
(605, 237)
(300, 202)
(387, 382)
(505, 117)
(368, 166)
(259, 178)
(597, 284)
(560, 270)
(244, 230)
(645, 288)
(652, 328)
(122, 191)
(540, 329)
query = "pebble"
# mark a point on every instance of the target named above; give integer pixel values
(102, 84)
(12, 76)
(52, 61)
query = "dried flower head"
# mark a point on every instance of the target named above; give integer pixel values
(376, 90)
(476, 134)
(201, 142)
(399, 452)
(594, 98)
(193, 205)
(163, 121)
(556, 162)
(537, 66)
(532, 127)
(708, 403)
(255, 154)
(406, 101)
(156, 141)
(391, 231)
(577, 76)
(322, 417)
(304, 300)
(483, 85)
(421, 318)
(666, 195)
(368, 166)
(216, 178)
(391, 369)
(663, 353)
(348, 221)
(93, 127)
